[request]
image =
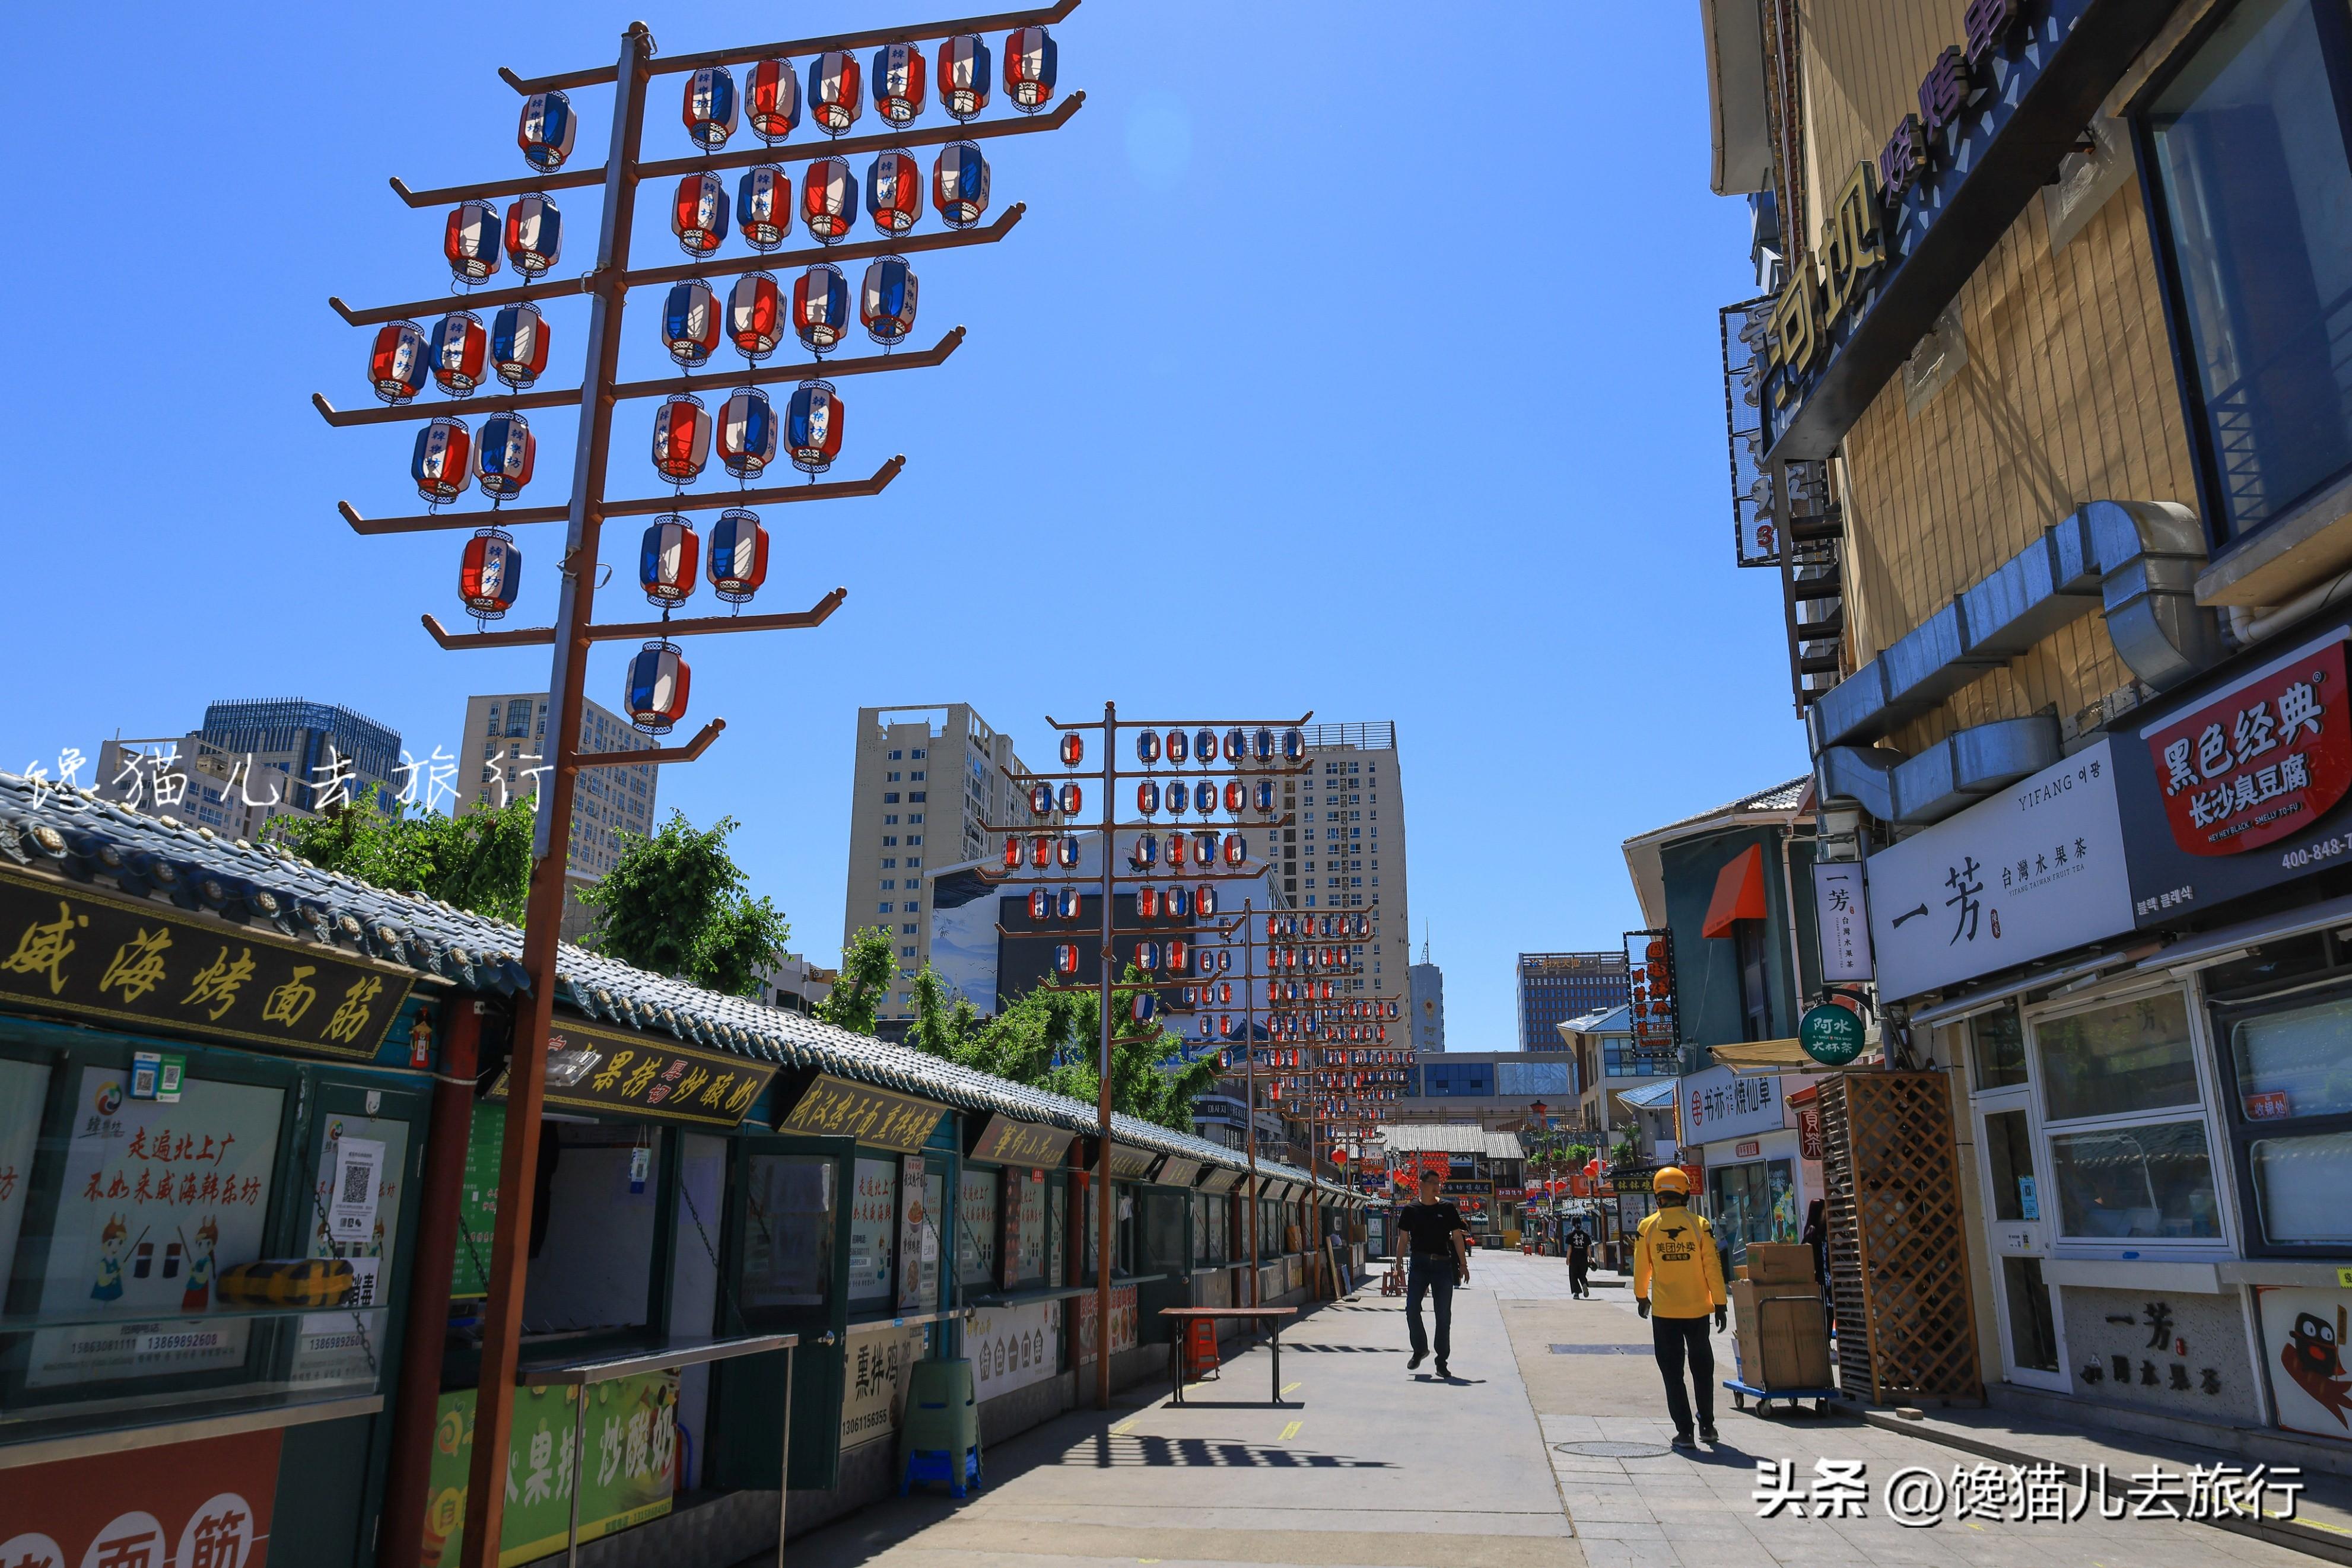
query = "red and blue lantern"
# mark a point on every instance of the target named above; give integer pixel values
(828, 199)
(964, 71)
(503, 454)
(1180, 750)
(1147, 903)
(763, 207)
(1204, 798)
(1204, 848)
(1074, 748)
(1071, 800)
(1236, 795)
(655, 697)
(698, 215)
(820, 307)
(1146, 851)
(1261, 744)
(1204, 746)
(1041, 903)
(469, 241)
(691, 322)
(894, 191)
(397, 364)
(1066, 852)
(1236, 848)
(547, 130)
(960, 184)
(1293, 745)
(460, 349)
(1204, 903)
(1178, 950)
(898, 83)
(1065, 958)
(437, 463)
(518, 344)
(738, 556)
(1179, 904)
(1072, 903)
(1041, 798)
(1041, 851)
(747, 432)
(534, 233)
(1265, 796)
(710, 108)
(834, 100)
(755, 316)
(1236, 745)
(667, 558)
(681, 438)
(1030, 68)
(489, 574)
(1146, 798)
(1147, 747)
(774, 89)
(1012, 851)
(813, 423)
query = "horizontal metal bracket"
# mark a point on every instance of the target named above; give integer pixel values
(642, 631)
(692, 750)
(638, 507)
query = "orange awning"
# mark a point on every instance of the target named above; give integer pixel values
(1738, 893)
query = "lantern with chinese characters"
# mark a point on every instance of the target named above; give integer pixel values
(1236, 848)
(1041, 903)
(503, 454)
(1029, 67)
(747, 432)
(1179, 903)
(1204, 903)
(709, 108)
(1204, 798)
(489, 574)
(547, 130)
(1066, 852)
(774, 89)
(1041, 798)
(691, 322)
(681, 438)
(763, 207)
(960, 184)
(656, 693)
(834, 100)
(886, 302)
(1236, 795)
(1204, 848)
(397, 364)
(1147, 955)
(1180, 953)
(460, 351)
(1073, 748)
(469, 241)
(1041, 851)
(898, 83)
(1146, 851)
(1065, 958)
(1204, 746)
(1263, 796)
(820, 307)
(1012, 851)
(1147, 747)
(1293, 745)
(894, 193)
(666, 559)
(813, 427)
(697, 213)
(964, 70)
(1178, 748)
(1146, 798)
(738, 556)
(755, 316)
(437, 463)
(534, 233)
(1071, 904)
(828, 199)
(518, 344)
(1071, 800)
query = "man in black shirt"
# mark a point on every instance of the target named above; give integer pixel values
(1579, 1258)
(1438, 1258)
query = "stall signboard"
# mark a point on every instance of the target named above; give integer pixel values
(2241, 786)
(1831, 1034)
(1130, 1164)
(838, 1107)
(1174, 1172)
(188, 1504)
(1013, 1347)
(623, 1470)
(1123, 1321)
(1223, 1180)
(874, 1398)
(89, 955)
(1023, 1208)
(651, 1078)
(1841, 920)
(2032, 871)
(1721, 1104)
(1001, 1140)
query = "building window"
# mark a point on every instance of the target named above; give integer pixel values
(2126, 1162)
(890, 797)
(907, 930)
(2292, 1120)
(2247, 144)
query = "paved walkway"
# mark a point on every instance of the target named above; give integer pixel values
(1535, 1455)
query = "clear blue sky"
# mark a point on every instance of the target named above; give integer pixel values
(1370, 368)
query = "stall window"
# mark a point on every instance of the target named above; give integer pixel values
(1163, 1232)
(23, 1091)
(2293, 1070)
(1024, 1229)
(976, 1227)
(2147, 1181)
(2009, 1146)
(2248, 147)
(1997, 1046)
(2141, 1175)
(789, 1206)
(592, 1263)
(873, 1235)
(2116, 1061)
(1200, 1230)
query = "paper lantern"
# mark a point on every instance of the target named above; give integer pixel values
(697, 213)
(747, 432)
(1147, 955)
(691, 322)
(763, 207)
(820, 307)
(1012, 851)
(960, 184)
(546, 129)
(437, 462)
(710, 109)
(681, 438)
(1178, 796)
(459, 352)
(738, 556)
(1236, 848)
(1293, 745)
(894, 193)
(1147, 850)
(964, 71)
(1236, 795)
(834, 101)
(1204, 798)
(1041, 800)
(774, 90)
(813, 423)
(1236, 745)
(1205, 902)
(1073, 904)
(1030, 68)
(397, 362)
(503, 454)
(518, 344)
(1143, 1006)
(666, 559)
(1204, 848)
(1180, 748)
(1204, 746)
(656, 687)
(1262, 795)
(828, 199)
(1146, 798)
(1066, 852)
(1073, 748)
(534, 235)
(1147, 747)
(1041, 903)
(469, 241)
(898, 83)
(755, 316)
(1065, 958)
(1179, 903)
(490, 575)
(1071, 800)
(885, 300)
(1261, 744)
(1180, 953)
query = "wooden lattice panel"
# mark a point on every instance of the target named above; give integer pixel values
(1897, 1239)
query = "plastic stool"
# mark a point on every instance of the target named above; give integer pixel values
(941, 1427)
(1201, 1357)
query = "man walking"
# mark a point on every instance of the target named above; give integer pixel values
(1437, 1259)
(1677, 1283)
(1579, 1260)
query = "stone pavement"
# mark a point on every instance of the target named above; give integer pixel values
(1529, 1457)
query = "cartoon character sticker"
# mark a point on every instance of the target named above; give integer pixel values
(198, 1295)
(2305, 1331)
(112, 1243)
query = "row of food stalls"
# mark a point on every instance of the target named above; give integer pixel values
(250, 1118)
(1483, 1170)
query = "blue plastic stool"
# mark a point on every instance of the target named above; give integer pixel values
(943, 1427)
(938, 1465)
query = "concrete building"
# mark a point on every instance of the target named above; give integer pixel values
(1486, 1088)
(1425, 993)
(796, 985)
(1554, 988)
(1602, 1046)
(929, 780)
(1484, 1170)
(500, 757)
(1332, 856)
(253, 760)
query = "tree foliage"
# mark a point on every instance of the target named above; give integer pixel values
(677, 904)
(480, 860)
(869, 965)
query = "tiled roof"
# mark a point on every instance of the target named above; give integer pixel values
(1785, 797)
(75, 835)
(1650, 1096)
(1450, 1138)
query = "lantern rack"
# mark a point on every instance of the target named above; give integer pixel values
(642, 507)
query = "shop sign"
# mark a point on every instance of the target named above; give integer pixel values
(1174, 1172)
(644, 1077)
(1650, 991)
(837, 1107)
(2245, 789)
(2268, 1105)
(872, 1230)
(1809, 1132)
(1130, 1164)
(1750, 1150)
(1013, 1347)
(1123, 1321)
(1223, 1180)
(1841, 920)
(873, 1400)
(1004, 1141)
(1721, 1103)
(622, 1471)
(1831, 1034)
(2030, 872)
(66, 948)
(188, 1504)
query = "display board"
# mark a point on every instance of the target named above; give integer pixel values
(477, 1201)
(623, 1470)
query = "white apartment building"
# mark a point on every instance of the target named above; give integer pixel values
(501, 756)
(1347, 850)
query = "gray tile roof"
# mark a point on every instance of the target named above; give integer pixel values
(73, 834)
(1450, 1138)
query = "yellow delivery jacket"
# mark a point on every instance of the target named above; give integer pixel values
(1676, 1267)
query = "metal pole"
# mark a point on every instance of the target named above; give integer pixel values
(1103, 1211)
(543, 916)
(784, 1457)
(1249, 1121)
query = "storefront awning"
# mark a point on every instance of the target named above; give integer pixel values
(1988, 997)
(2214, 947)
(1763, 1055)
(1738, 893)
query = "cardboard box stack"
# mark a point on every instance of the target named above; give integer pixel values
(1783, 1339)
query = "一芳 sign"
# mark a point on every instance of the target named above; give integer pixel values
(2032, 871)
(1721, 1103)
(1841, 919)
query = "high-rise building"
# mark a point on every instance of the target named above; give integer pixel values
(1557, 987)
(253, 760)
(1427, 994)
(501, 756)
(1349, 810)
(930, 779)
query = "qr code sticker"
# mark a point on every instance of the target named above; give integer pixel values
(357, 1174)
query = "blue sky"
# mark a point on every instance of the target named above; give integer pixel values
(1371, 370)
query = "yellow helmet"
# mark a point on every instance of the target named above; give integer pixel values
(1674, 1178)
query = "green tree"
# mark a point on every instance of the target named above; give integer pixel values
(869, 965)
(478, 860)
(677, 904)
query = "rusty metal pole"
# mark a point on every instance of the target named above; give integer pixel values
(1249, 1119)
(543, 917)
(1104, 1209)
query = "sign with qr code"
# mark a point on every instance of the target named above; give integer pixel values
(351, 1203)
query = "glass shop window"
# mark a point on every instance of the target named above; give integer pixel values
(1752, 1202)
(789, 1208)
(1025, 1229)
(2008, 1148)
(2116, 1061)
(1997, 1047)
(2294, 1077)
(592, 1256)
(1164, 1233)
(2255, 209)
(976, 1227)
(873, 1235)
(2150, 1181)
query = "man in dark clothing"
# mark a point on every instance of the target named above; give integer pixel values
(1437, 1259)
(1579, 1260)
